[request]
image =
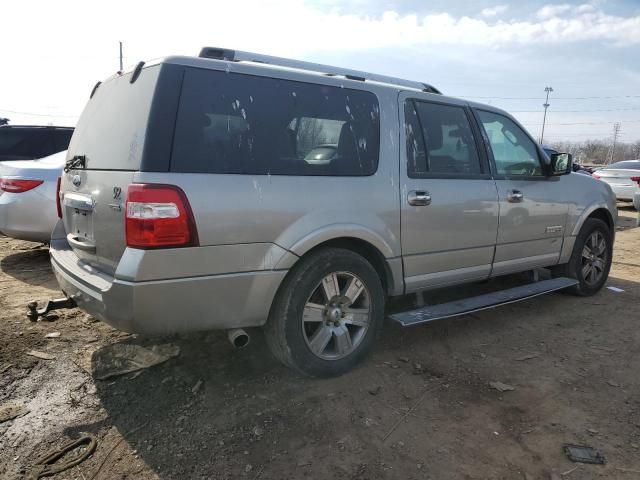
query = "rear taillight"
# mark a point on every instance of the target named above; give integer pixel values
(18, 185)
(58, 203)
(595, 175)
(158, 216)
(636, 179)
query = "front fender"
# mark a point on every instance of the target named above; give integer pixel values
(608, 207)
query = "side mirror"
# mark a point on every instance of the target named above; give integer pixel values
(560, 164)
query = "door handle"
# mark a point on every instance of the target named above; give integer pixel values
(419, 198)
(515, 196)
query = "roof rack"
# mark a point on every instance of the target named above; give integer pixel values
(240, 56)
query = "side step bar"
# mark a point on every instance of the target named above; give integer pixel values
(481, 302)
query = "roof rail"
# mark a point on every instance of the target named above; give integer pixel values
(240, 56)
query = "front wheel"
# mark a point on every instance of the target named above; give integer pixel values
(591, 258)
(327, 313)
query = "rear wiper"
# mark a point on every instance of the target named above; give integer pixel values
(78, 161)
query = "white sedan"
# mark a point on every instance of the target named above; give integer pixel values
(28, 189)
(624, 178)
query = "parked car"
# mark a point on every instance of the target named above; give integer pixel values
(28, 197)
(193, 200)
(636, 200)
(30, 142)
(624, 178)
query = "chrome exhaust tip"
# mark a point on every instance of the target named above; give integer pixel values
(238, 337)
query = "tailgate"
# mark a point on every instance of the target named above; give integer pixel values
(110, 139)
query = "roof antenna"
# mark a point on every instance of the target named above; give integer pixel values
(121, 68)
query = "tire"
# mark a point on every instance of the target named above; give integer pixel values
(321, 336)
(590, 280)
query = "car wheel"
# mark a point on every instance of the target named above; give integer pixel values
(591, 258)
(327, 313)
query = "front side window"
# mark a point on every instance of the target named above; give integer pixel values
(243, 124)
(440, 140)
(513, 151)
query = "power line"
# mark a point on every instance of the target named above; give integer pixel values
(542, 98)
(583, 123)
(580, 111)
(37, 114)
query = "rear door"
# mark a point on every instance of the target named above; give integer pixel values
(449, 213)
(533, 207)
(110, 136)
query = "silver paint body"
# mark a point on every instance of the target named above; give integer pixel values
(31, 215)
(254, 228)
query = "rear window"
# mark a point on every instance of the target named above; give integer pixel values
(242, 124)
(31, 143)
(112, 128)
(627, 164)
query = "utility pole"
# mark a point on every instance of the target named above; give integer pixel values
(545, 105)
(616, 133)
(121, 68)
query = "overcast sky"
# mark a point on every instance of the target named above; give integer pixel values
(498, 52)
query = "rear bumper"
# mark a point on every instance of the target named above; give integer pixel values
(29, 215)
(167, 306)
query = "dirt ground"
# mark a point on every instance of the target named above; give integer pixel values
(419, 408)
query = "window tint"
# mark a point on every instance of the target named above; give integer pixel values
(30, 143)
(61, 140)
(513, 151)
(232, 123)
(444, 142)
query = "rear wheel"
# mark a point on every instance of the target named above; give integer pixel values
(591, 258)
(327, 313)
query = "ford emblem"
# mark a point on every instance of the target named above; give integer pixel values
(76, 180)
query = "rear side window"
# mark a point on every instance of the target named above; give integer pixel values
(439, 140)
(243, 124)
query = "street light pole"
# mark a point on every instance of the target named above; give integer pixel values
(545, 105)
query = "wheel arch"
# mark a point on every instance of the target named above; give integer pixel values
(601, 213)
(369, 245)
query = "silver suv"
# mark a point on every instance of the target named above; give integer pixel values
(236, 190)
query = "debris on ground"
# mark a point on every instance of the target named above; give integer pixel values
(40, 355)
(375, 390)
(583, 454)
(501, 387)
(121, 358)
(11, 410)
(528, 357)
(616, 289)
(418, 369)
(47, 466)
(196, 387)
(52, 335)
(613, 383)
(404, 359)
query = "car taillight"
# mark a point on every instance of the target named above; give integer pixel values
(58, 203)
(636, 179)
(18, 185)
(595, 175)
(158, 216)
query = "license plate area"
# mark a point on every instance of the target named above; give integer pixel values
(81, 224)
